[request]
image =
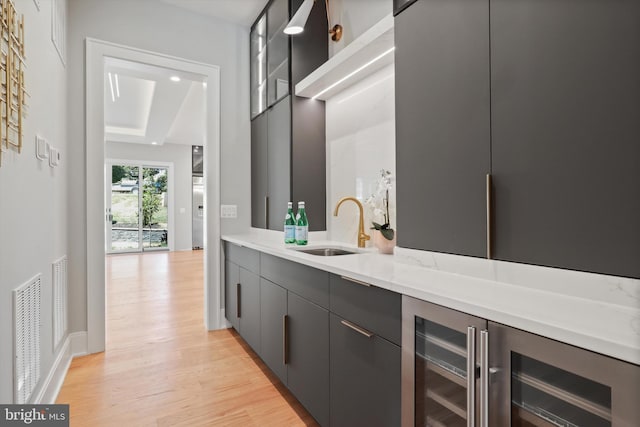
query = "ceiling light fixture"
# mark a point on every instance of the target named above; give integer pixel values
(154, 143)
(297, 23)
(354, 72)
(113, 96)
(175, 79)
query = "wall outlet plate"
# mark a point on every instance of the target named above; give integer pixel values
(42, 148)
(54, 157)
(228, 211)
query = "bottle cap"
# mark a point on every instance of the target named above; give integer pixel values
(290, 205)
(301, 204)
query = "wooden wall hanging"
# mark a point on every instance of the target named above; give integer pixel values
(12, 64)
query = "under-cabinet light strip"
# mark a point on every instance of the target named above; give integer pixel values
(117, 85)
(354, 72)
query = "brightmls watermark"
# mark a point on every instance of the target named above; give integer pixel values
(34, 415)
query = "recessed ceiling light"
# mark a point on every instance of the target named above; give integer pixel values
(154, 143)
(175, 78)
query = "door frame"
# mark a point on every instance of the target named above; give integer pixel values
(95, 53)
(170, 203)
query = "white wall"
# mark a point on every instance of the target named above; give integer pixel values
(180, 156)
(356, 17)
(33, 207)
(360, 141)
(162, 28)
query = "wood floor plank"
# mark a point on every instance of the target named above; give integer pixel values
(161, 367)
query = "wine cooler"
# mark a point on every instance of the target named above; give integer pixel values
(461, 370)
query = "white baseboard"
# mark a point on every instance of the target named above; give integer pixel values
(74, 345)
(224, 323)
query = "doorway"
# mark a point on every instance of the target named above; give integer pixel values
(139, 207)
(97, 52)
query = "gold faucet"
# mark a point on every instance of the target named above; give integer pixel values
(362, 236)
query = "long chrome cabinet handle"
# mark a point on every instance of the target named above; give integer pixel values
(359, 282)
(471, 376)
(357, 328)
(285, 339)
(238, 300)
(484, 378)
(489, 214)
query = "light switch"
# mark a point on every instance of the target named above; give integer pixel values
(182, 210)
(228, 211)
(42, 148)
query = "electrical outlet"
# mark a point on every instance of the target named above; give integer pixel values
(228, 211)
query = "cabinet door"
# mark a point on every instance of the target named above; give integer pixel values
(565, 132)
(231, 281)
(259, 185)
(279, 163)
(250, 308)
(278, 47)
(541, 382)
(258, 51)
(442, 125)
(308, 356)
(440, 357)
(273, 309)
(365, 378)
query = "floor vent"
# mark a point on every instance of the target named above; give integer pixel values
(59, 301)
(26, 342)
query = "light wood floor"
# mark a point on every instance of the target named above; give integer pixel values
(161, 367)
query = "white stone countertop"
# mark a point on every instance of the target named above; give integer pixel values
(592, 311)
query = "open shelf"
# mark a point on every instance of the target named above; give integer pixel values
(374, 47)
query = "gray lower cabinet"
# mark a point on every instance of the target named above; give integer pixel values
(273, 309)
(308, 355)
(364, 376)
(249, 306)
(242, 302)
(231, 291)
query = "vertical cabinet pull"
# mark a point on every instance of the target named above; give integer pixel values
(238, 300)
(285, 339)
(489, 214)
(471, 376)
(484, 378)
(266, 211)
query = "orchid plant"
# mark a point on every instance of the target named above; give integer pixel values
(379, 204)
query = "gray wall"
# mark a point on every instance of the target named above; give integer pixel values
(180, 156)
(158, 27)
(33, 208)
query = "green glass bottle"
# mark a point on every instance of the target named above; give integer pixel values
(289, 225)
(302, 225)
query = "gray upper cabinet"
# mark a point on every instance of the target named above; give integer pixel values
(288, 134)
(566, 133)
(442, 125)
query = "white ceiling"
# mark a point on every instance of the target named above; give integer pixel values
(147, 107)
(241, 12)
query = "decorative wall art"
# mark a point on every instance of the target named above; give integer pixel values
(12, 64)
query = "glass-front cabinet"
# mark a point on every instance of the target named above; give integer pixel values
(539, 382)
(440, 365)
(269, 57)
(460, 370)
(259, 66)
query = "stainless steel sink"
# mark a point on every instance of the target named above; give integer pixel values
(327, 251)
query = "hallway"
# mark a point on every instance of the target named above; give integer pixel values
(161, 367)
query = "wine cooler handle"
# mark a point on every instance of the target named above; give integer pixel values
(471, 376)
(484, 378)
